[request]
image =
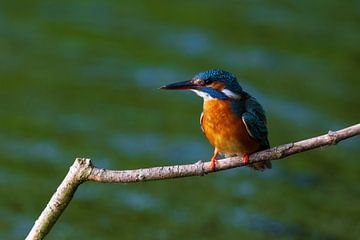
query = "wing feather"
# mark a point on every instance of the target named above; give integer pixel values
(255, 121)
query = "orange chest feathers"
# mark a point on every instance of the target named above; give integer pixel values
(225, 130)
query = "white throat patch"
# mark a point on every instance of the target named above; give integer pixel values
(202, 94)
(230, 94)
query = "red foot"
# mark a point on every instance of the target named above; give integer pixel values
(246, 159)
(213, 160)
(213, 163)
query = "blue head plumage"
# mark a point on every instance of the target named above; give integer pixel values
(214, 83)
(216, 75)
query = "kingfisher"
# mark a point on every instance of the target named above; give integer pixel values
(232, 120)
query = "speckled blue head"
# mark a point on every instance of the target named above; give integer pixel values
(216, 75)
(211, 84)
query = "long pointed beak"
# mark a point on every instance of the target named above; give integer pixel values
(186, 85)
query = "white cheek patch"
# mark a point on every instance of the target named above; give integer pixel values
(230, 94)
(202, 94)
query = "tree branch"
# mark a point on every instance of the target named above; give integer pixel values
(82, 170)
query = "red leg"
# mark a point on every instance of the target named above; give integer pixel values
(213, 159)
(246, 159)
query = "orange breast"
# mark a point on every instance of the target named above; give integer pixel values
(225, 130)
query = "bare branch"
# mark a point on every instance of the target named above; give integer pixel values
(202, 168)
(82, 170)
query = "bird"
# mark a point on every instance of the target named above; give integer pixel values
(232, 120)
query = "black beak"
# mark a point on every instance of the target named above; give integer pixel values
(186, 85)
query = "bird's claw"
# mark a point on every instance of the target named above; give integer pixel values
(213, 164)
(246, 159)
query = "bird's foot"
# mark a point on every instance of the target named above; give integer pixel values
(213, 163)
(246, 159)
(213, 160)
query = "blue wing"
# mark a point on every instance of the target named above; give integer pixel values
(255, 121)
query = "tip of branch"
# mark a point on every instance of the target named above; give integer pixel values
(83, 166)
(83, 161)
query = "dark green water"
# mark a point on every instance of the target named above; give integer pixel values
(80, 79)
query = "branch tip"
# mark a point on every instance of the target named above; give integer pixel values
(84, 167)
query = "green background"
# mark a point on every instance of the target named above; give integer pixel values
(81, 78)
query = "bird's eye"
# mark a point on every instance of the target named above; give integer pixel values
(207, 81)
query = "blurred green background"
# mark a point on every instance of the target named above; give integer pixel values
(81, 78)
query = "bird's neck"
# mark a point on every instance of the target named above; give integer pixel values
(225, 94)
